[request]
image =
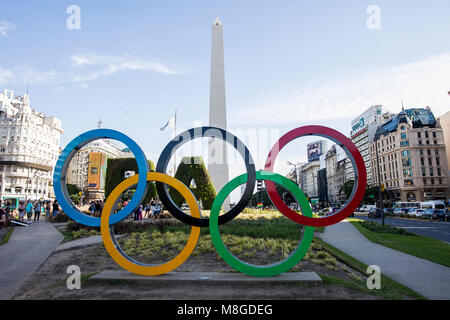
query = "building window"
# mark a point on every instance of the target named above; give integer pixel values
(406, 153)
(424, 181)
(419, 135)
(431, 172)
(423, 172)
(407, 173)
(403, 136)
(438, 163)
(426, 134)
(422, 162)
(430, 163)
(439, 172)
(409, 182)
(440, 181)
(406, 162)
(429, 152)
(421, 152)
(404, 143)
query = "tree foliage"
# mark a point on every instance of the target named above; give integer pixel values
(72, 189)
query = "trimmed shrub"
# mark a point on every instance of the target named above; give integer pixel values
(115, 174)
(193, 169)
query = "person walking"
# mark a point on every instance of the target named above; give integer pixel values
(47, 211)
(29, 209)
(97, 209)
(37, 211)
(55, 208)
(147, 210)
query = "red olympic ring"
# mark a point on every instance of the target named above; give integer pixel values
(359, 187)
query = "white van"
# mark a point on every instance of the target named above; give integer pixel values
(432, 204)
(367, 208)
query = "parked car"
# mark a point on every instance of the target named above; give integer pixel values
(416, 213)
(388, 211)
(400, 211)
(375, 213)
(438, 214)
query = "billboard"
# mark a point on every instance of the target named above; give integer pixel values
(315, 150)
(96, 171)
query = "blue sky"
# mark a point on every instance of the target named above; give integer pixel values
(288, 63)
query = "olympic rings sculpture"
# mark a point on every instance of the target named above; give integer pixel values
(140, 180)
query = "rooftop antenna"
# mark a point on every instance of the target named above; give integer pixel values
(403, 108)
(99, 123)
(28, 87)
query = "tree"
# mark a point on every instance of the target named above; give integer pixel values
(347, 188)
(72, 189)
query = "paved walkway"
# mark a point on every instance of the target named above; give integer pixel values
(25, 251)
(427, 278)
(81, 243)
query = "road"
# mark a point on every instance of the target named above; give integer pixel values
(437, 229)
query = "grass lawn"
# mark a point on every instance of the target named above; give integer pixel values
(7, 236)
(416, 245)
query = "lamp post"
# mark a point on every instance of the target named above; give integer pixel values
(380, 192)
(296, 165)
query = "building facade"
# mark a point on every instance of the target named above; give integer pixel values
(412, 157)
(29, 149)
(444, 122)
(87, 169)
(363, 132)
(308, 178)
(336, 172)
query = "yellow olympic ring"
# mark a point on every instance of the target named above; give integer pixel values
(112, 248)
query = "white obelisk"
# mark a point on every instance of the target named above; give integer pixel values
(217, 162)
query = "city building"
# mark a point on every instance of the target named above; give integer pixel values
(363, 132)
(412, 157)
(335, 172)
(87, 170)
(308, 178)
(29, 149)
(316, 149)
(444, 122)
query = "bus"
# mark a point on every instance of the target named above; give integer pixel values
(406, 205)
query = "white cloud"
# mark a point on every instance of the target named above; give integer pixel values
(5, 26)
(81, 69)
(419, 84)
(104, 66)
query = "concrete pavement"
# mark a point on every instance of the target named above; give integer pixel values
(25, 251)
(427, 278)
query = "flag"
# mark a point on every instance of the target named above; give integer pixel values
(170, 123)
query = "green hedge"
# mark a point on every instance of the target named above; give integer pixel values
(193, 168)
(115, 174)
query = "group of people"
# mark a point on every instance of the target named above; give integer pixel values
(96, 208)
(152, 210)
(31, 209)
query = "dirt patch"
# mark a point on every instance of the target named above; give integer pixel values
(49, 281)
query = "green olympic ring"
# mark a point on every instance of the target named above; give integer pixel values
(257, 270)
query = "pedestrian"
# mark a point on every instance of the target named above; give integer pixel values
(157, 210)
(97, 209)
(55, 208)
(147, 210)
(21, 211)
(47, 211)
(29, 209)
(3, 220)
(37, 211)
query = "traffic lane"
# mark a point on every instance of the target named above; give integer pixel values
(437, 229)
